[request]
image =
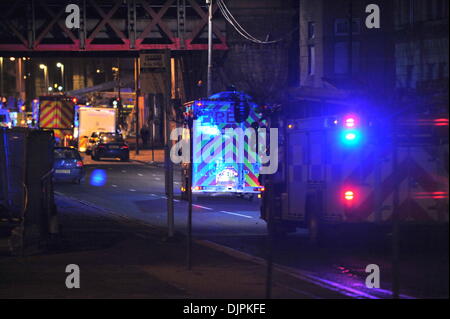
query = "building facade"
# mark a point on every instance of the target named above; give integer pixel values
(331, 57)
(421, 52)
(405, 61)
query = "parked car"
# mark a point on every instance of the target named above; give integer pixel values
(110, 145)
(68, 165)
(91, 141)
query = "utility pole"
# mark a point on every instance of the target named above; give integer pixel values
(350, 41)
(1, 76)
(189, 190)
(395, 216)
(168, 143)
(136, 102)
(210, 48)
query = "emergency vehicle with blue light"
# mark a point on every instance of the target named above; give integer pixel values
(358, 168)
(210, 118)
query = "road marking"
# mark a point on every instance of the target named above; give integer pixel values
(139, 174)
(176, 200)
(236, 214)
(199, 206)
(132, 190)
(157, 178)
(114, 185)
(124, 171)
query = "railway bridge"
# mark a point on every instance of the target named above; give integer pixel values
(33, 26)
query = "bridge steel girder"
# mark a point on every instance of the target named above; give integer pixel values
(108, 25)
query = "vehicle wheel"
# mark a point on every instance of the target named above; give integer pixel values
(77, 181)
(125, 159)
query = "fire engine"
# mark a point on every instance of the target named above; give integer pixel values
(356, 168)
(210, 118)
(57, 112)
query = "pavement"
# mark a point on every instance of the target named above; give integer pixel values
(147, 156)
(122, 258)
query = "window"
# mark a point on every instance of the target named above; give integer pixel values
(341, 26)
(341, 57)
(63, 153)
(311, 60)
(311, 30)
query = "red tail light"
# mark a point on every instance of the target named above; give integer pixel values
(79, 164)
(124, 147)
(349, 195)
(350, 121)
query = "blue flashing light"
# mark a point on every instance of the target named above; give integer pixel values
(351, 137)
(98, 177)
(210, 130)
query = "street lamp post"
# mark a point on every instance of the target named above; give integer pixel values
(1, 76)
(209, 77)
(61, 66)
(44, 67)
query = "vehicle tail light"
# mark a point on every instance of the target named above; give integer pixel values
(101, 146)
(349, 195)
(124, 147)
(79, 164)
(350, 122)
(441, 122)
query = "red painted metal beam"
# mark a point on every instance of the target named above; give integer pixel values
(53, 23)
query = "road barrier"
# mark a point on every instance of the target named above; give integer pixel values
(26, 188)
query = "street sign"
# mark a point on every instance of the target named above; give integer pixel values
(153, 62)
(154, 67)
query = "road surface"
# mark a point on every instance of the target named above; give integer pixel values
(137, 191)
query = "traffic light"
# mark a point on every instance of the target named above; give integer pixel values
(115, 102)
